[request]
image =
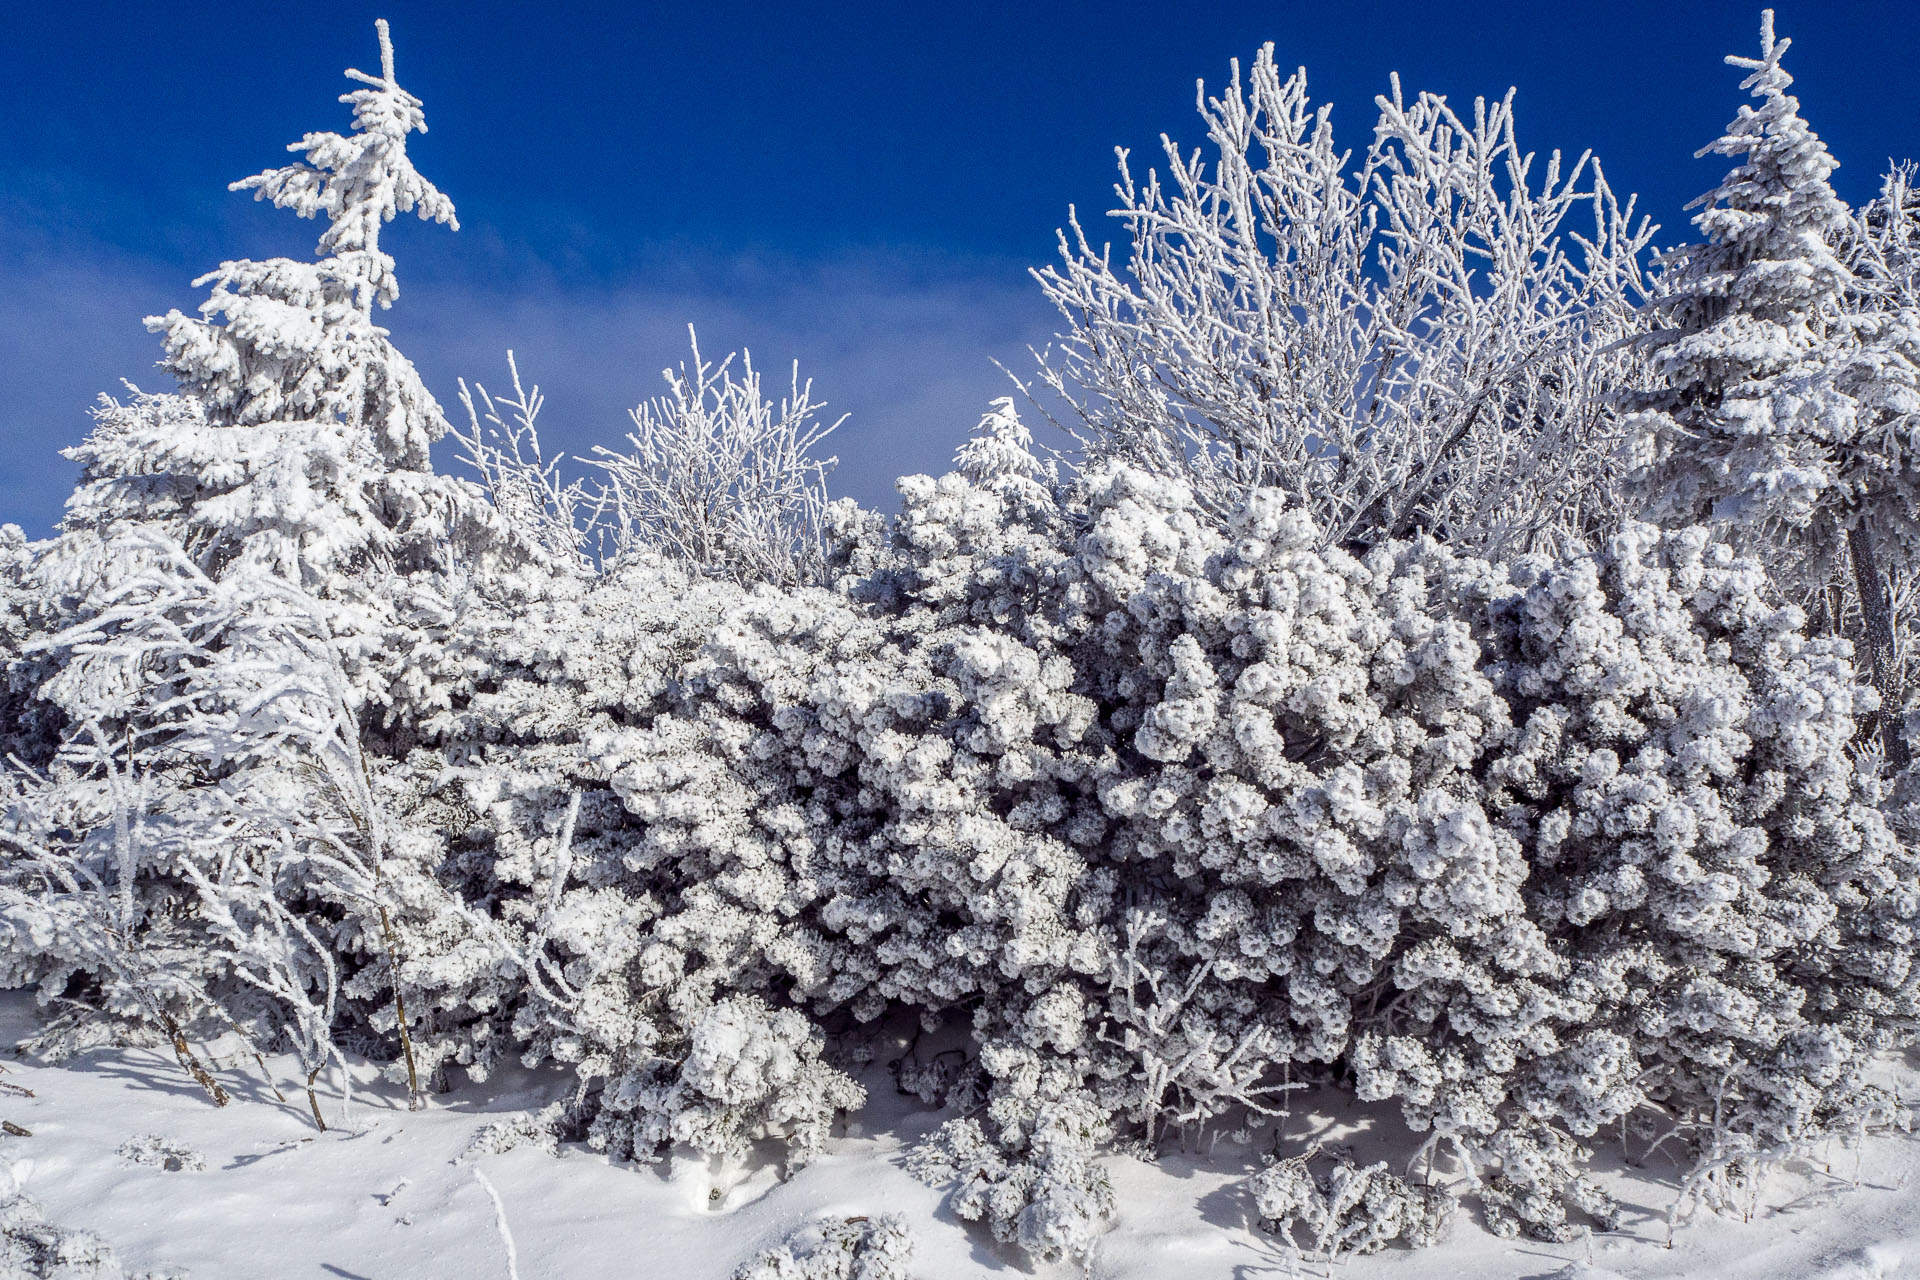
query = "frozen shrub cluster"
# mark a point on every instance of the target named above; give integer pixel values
(1052, 1204)
(1348, 1209)
(1737, 917)
(1174, 816)
(536, 1129)
(850, 1249)
(744, 1071)
(1171, 817)
(32, 1248)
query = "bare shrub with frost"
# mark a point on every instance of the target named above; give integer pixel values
(1419, 339)
(718, 476)
(502, 446)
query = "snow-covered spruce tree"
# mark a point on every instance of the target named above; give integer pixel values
(999, 453)
(299, 435)
(1779, 406)
(1877, 473)
(29, 728)
(292, 461)
(1422, 339)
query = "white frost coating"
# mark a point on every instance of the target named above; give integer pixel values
(1137, 795)
(1419, 337)
(857, 1248)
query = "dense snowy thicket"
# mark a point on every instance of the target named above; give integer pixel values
(1324, 723)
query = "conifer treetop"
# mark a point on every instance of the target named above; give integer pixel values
(362, 179)
(1765, 256)
(1741, 315)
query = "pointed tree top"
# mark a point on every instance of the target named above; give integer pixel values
(1766, 68)
(385, 80)
(386, 46)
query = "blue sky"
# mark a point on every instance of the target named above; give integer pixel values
(861, 187)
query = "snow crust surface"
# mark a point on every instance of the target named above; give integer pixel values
(388, 1193)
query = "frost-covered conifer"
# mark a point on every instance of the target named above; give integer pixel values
(298, 439)
(1781, 404)
(1737, 311)
(1873, 386)
(29, 728)
(999, 454)
(249, 573)
(299, 343)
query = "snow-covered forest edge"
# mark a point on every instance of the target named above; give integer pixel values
(1398, 737)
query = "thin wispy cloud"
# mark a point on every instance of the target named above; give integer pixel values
(73, 331)
(903, 342)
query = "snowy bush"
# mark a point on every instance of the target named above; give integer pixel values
(1737, 916)
(850, 1249)
(1349, 1210)
(741, 1071)
(31, 1248)
(1181, 815)
(1053, 1203)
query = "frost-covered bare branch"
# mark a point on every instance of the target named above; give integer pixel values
(719, 477)
(501, 444)
(1421, 339)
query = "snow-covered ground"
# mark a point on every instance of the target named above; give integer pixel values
(385, 1195)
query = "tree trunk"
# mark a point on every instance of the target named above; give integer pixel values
(1876, 613)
